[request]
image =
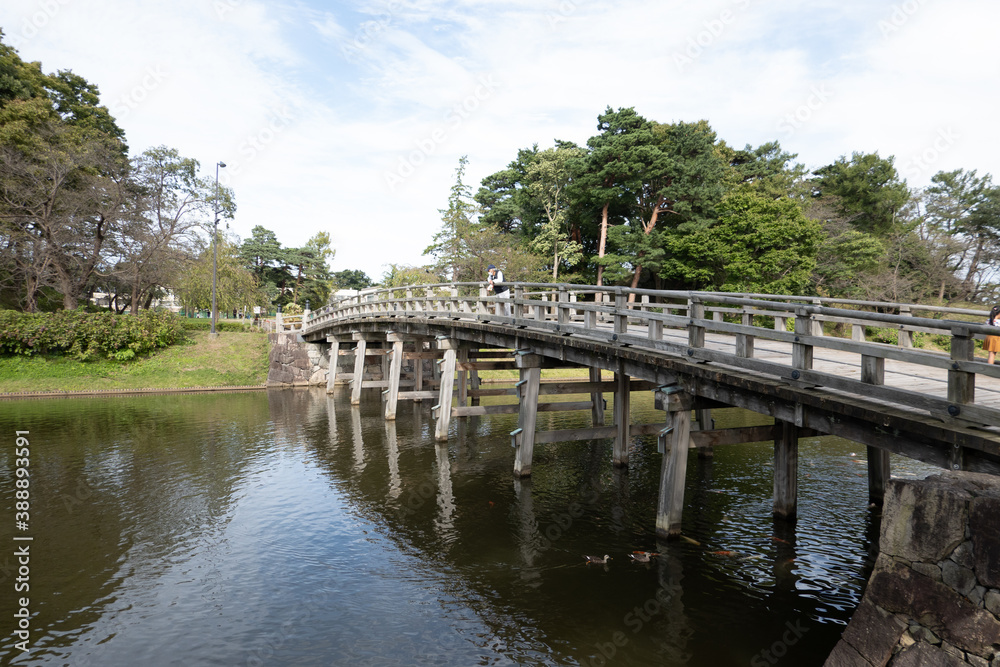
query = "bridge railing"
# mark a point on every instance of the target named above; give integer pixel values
(638, 317)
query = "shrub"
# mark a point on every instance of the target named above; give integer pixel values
(88, 335)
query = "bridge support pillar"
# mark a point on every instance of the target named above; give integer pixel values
(786, 470)
(463, 379)
(418, 370)
(450, 347)
(331, 373)
(703, 422)
(597, 398)
(673, 470)
(530, 367)
(623, 395)
(395, 371)
(360, 350)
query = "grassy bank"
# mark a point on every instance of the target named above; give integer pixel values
(232, 359)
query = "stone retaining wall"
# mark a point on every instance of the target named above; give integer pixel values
(294, 362)
(933, 599)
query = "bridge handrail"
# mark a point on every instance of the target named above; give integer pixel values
(700, 312)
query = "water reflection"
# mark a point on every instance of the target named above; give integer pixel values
(290, 527)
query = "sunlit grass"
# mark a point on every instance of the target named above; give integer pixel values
(232, 359)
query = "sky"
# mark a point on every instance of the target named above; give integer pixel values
(350, 117)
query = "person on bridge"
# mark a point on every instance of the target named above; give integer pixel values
(497, 286)
(992, 343)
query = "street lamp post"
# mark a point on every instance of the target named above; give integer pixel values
(215, 242)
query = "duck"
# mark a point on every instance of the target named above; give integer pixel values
(641, 556)
(598, 559)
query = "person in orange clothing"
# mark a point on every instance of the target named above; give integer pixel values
(992, 343)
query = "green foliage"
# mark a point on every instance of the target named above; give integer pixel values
(758, 245)
(351, 279)
(228, 326)
(868, 191)
(88, 335)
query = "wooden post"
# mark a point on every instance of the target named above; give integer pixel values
(450, 348)
(673, 471)
(621, 316)
(873, 372)
(562, 309)
(622, 418)
(703, 422)
(395, 370)
(530, 366)
(802, 354)
(961, 384)
(474, 382)
(744, 342)
(360, 349)
(858, 333)
(418, 371)
(786, 471)
(696, 311)
(597, 399)
(905, 338)
(463, 379)
(331, 374)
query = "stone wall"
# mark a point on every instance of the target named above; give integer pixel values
(294, 362)
(933, 599)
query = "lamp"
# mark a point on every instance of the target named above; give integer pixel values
(215, 242)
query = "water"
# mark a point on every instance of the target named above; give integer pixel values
(288, 528)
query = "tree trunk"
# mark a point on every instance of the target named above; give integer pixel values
(600, 248)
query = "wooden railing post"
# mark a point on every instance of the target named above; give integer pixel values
(802, 353)
(621, 316)
(517, 310)
(696, 312)
(873, 372)
(961, 384)
(744, 342)
(905, 338)
(817, 323)
(563, 311)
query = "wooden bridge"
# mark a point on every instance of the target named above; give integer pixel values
(774, 355)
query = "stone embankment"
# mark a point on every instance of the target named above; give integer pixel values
(294, 362)
(933, 599)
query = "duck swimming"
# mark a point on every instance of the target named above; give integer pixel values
(641, 556)
(598, 559)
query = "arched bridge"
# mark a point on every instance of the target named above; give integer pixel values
(817, 366)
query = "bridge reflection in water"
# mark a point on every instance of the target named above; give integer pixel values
(511, 549)
(699, 352)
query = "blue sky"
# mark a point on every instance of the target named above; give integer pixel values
(350, 117)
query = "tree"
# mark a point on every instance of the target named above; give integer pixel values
(962, 222)
(866, 190)
(616, 156)
(351, 279)
(759, 245)
(236, 287)
(458, 225)
(63, 179)
(171, 205)
(548, 177)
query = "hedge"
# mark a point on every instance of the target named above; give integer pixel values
(88, 335)
(205, 324)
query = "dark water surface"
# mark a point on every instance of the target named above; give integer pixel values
(288, 528)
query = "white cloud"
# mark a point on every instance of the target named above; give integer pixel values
(317, 106)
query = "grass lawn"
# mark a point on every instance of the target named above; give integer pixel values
(232, 359)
